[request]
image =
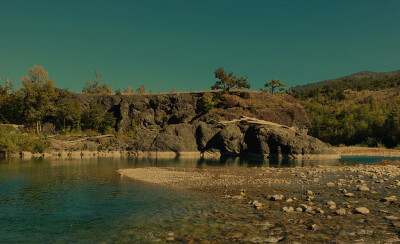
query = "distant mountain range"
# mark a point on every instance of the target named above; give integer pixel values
(364, 80)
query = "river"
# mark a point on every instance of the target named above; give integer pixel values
(86, 201)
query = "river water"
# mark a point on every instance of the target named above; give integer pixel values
(85, 201)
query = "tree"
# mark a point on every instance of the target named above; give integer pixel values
(95, 118)
(141, 89)
(69, 111)
(96, 87)
(275, 86)
(128, 90)
(39, 95)
(11, 104)
(228, 81)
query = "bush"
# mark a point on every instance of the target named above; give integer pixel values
(95, 118)
(13, 141)
(205, 104)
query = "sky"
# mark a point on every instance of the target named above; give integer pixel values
(166, 44)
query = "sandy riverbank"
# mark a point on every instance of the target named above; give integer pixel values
(303, 204)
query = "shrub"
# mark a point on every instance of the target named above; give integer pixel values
(13, 141)
(205, 104)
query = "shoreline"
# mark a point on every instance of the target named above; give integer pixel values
(162, 155)
(341, 151)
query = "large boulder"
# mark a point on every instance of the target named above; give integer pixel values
(229, 140)
(177, 138)
(275, 140)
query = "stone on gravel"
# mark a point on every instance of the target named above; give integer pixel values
(277, 197)
(362, 210)
(330, 184)
(391, 217)
(341, 211)
(309, 193)
(287, 209)
(363, 188)
(289, 200)
(389, 199)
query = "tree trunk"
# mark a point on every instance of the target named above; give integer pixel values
(37, 127)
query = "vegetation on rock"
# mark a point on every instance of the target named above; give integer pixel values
(228, 81)
(275, 86)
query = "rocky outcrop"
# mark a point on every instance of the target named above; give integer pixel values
(236, 139)
(275, 125)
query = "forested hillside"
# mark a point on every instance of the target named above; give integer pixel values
(362, 108)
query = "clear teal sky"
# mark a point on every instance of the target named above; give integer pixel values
(165, 44)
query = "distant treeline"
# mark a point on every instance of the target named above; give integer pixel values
(361, 109)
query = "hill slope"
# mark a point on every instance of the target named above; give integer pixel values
(363, 108)
(364, 80)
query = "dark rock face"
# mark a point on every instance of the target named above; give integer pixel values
(234, 139)
(176, 138)
(172, 122)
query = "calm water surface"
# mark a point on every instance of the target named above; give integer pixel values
(86, 201)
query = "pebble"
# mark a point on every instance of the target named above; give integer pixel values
(349, 194)
(330, 203)
(257, 204)
(277, 197)
(341, 211)
(238, 197)
(391, 217)
(330, 184)
(363, 188)
(310, 198)
(271, 239)
(389, 199)
(266, 225)
(362, 210)
(309, 193)
(289, 200)
(299, 209)
(287, 209)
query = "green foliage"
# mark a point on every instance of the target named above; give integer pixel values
(11, 106)
(153, 101)
(13, 141)
(118, 92)
(275, 86)
(96, 87)
(357, 82)
(228, 81)
(205, 104)
(339, 118)
(341, 114)
(95, 118)
(39, 95)
(68, 113)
